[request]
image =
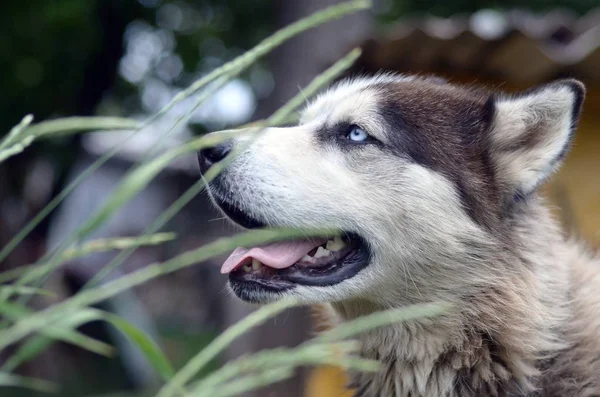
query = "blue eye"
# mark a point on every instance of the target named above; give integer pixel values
(357, 134)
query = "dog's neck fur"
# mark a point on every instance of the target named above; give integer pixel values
(495, 342)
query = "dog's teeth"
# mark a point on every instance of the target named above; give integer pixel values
(307, 258)
(247, 268)
(256, 264)
(336, 244)
(322, 252)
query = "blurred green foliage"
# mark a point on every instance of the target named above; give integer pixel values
(60, 58)
(47, 48)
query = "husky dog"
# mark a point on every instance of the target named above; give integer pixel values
(433, 188)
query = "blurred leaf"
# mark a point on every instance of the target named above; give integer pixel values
(335, 354)
(27, 351)
(27, 383)
(193, 366)
(66, 334)
(146, 345)
(379, 319)
(24, 290)
(35, 271)
(251, 382)
(62, 331)
(16, 131)
(66, 125)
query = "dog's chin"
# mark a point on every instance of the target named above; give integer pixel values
(267, 284)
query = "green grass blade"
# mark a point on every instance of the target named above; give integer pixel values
(15, 132)
(26, 136)
(147, 346)
(380, 319)
(13, 311)
(198, 362)
(13, 274)
(10, 380)
(78, 339)
(68, 125)
(24, 290)
(117, 243)
(39, 343)
(337, 354)
(63, 330)
(28, 273)
(249, 383)
(16, 148)
(27, 351)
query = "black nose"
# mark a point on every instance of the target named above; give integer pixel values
(209, 156)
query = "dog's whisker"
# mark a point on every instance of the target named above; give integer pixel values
(222, 218)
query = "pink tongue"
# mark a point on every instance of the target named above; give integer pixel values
(277, 256)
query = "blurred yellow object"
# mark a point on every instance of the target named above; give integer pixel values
(327, 382)
(576, 188)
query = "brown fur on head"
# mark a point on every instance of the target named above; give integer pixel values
(434, 190)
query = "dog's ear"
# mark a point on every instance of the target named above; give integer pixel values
(530, 133)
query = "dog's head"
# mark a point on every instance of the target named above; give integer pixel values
(420, 178)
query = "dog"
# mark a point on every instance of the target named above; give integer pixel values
(434, 188)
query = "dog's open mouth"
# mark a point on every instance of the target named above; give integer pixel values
(279, 266)
(307, 261)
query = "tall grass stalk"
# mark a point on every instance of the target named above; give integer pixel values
(221, 342)
(11, 380)
(26, 273)
(25, 134)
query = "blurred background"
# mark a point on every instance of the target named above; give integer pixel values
(129, 58)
